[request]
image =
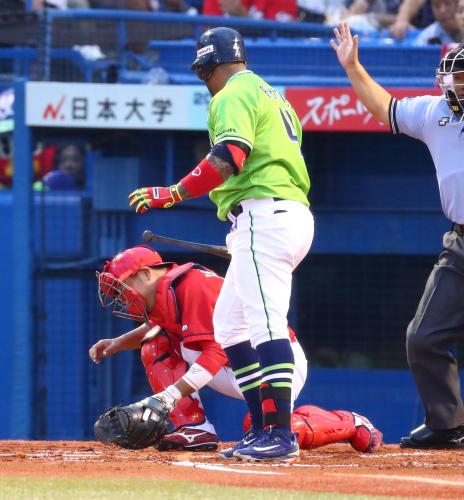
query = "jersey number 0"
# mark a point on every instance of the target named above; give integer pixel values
(289, 125)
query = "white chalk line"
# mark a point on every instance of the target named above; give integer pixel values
(222, 468)
(370, 456)
(444, 482)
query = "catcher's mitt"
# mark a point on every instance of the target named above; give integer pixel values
(136, 426)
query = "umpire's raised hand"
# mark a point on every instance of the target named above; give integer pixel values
(346, 46)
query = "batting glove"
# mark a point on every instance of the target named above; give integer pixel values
(154, 197)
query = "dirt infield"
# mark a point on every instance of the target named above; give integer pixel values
(335, 468)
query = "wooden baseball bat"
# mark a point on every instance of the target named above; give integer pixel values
(220, 251)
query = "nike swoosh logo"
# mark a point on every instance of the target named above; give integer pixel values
(246, 442)
(265, 448)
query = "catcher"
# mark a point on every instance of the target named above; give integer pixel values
(180, 357)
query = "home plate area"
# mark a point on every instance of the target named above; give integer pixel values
(335, 468)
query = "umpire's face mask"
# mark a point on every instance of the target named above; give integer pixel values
(450, 76)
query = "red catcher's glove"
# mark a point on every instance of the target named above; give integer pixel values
(154, 197)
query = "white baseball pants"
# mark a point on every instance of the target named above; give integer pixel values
(267, 242)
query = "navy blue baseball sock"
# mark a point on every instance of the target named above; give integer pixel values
(277, 364)
(244, 362)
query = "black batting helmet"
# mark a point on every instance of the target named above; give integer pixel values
(450, 75)
(217, 46)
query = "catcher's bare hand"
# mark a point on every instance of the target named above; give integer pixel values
(346, 46)
(104, 348)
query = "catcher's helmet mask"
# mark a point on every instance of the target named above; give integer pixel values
(126, 301)
(218, 46)
(450, 76)
(113, 291)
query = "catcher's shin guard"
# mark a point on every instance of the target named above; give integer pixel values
(164, 367)
(317, 427)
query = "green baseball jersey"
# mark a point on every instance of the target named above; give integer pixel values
(249, 110)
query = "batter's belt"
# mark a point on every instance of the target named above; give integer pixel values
(236, 210)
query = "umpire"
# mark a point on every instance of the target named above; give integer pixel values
(438, 121)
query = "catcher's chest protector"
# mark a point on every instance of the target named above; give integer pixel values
(166, 313)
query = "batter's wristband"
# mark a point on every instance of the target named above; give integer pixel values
(175, 195)
(202, 179)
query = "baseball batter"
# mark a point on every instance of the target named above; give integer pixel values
(438, 121)
(257, 177)
(180, 355)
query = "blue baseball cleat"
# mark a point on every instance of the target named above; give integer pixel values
(249, 438)
(275, 445)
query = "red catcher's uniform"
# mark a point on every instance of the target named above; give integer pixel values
(185, 300)
(280, 10)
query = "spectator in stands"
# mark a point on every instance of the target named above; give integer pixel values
(460, 18)
(372, 15)
(445, 29)
(60, 4)
(182, 6)
(278, 10)
(311, 11)
(412, 14)
(68, 173)
(143, 5)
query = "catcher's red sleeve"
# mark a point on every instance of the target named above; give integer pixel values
(196, 295)
(212, 357)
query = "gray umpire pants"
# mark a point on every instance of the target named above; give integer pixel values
(437, 326)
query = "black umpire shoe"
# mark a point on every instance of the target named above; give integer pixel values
(424, 437)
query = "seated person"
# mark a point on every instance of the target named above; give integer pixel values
(460, 19)
(445, 29)
(277, 10)
(182, 6)
(68, 172)
(60, 4)
(315, 11)
(372, 15)
(412, 14)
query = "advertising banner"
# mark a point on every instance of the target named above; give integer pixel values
(53, 104)
(338, 109)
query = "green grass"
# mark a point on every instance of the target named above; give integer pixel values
(19, 488)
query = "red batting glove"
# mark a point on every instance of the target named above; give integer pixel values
(154, 197)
